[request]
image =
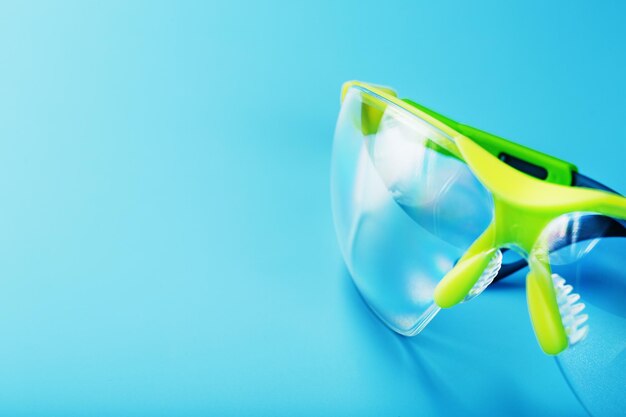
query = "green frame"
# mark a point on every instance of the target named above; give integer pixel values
(523, 207)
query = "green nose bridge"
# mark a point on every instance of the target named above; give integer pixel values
(523, 207)
(519, 219)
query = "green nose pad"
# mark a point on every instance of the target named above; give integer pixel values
(457, 283)
(544, 309)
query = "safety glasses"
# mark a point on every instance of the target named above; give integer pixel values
(425, 208)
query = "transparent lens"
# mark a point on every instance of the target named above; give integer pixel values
(588, 252)
(405, 208)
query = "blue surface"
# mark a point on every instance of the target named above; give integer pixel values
(167, 245)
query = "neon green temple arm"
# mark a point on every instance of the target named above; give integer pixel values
(536, 163)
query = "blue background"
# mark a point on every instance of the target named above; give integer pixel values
(166, 240)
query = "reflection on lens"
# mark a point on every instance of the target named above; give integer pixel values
(588, 251)
(405, 209)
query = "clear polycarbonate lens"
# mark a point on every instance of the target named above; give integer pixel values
(405, 207)
(587, 253)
